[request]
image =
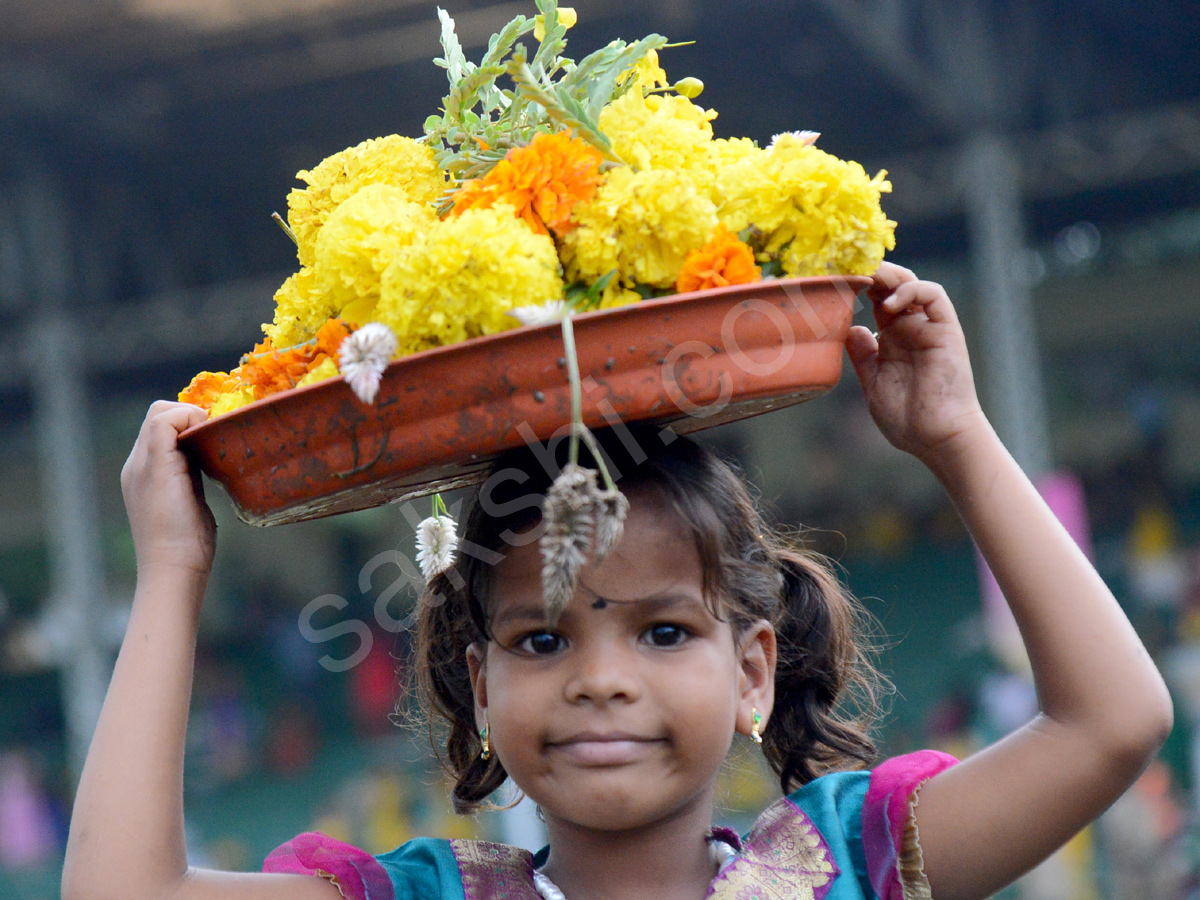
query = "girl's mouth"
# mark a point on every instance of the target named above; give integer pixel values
(604, 749)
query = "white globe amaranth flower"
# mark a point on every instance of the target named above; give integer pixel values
(569, 517)
(807, 138)
(363, 358)
(611, 509)
(437, 539)
(546, 313)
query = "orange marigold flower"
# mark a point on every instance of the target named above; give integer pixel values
(542, 181)
(471, 194)
(723, 260)
(206, 387)
(330, 336)
(266, 370)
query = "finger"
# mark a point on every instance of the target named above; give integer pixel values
(161, 430)
(926, 296)
(197, 486)
(912, 331)
(863, 349)
(159, 407)
(887, 278)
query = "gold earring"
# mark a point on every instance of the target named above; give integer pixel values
(486, 752)
(755, 722)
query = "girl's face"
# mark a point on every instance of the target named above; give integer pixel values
(620, 715)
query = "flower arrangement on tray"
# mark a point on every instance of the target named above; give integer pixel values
(544, 188)
(581, 185)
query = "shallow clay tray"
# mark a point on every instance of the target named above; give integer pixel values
(688, 360)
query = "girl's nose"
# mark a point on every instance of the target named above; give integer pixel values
(603, 672)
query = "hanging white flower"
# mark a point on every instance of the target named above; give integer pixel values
(437, 539)
(569, 517)
(611, 509)
(363, 357)
(542, 314)
(804, 137)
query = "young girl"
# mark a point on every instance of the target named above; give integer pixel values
(615, 720)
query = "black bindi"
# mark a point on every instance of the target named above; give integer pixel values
(601, 603)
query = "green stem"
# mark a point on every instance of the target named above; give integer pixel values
(594, 446)
(284, 225)
(576, 389)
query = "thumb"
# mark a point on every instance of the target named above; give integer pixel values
(863, 349)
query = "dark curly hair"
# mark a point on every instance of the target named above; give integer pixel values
(750, 572)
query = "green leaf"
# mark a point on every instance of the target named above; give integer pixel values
(560, 107)
(600, 285)
(455, 61)
(550, 92)
(601, 89)
(499, 47)
(465, 94)
(548, 59)
(581, 296)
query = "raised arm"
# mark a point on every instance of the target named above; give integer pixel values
(126, 839)
(1104, 708)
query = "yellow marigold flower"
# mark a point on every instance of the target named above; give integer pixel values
(643, 224)
(460, 277)
(819, 214)
(658, 132)
(301, 307)
(326, 368)
(542, 182)
(395, 160)
(724, 260)
(360, 239)
(724, 152)
(719, 154)
(615, 295)
(230, 400)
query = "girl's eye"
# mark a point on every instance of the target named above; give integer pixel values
(666, 635)
(540, 643)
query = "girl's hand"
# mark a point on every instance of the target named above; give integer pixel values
(915, 371)
(173, 528)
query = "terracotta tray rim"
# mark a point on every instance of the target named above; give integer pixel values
(856, 283)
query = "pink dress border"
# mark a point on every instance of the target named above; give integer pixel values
(355, 873)
(886, 812)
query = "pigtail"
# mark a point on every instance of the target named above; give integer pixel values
(447, 626)
(821, 663)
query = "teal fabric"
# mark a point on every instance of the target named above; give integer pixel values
(423, 869)
(426, 869)
(834, 804)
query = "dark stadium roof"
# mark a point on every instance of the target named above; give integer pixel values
(172, 128)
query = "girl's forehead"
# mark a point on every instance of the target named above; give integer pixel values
(656, 555)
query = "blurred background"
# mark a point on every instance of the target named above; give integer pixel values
(1046, 163)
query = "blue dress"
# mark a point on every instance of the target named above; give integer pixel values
(843, 836)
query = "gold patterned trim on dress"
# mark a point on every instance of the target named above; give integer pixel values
(494, 871)
(911, 862)
(783, 858)
(332, 880)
